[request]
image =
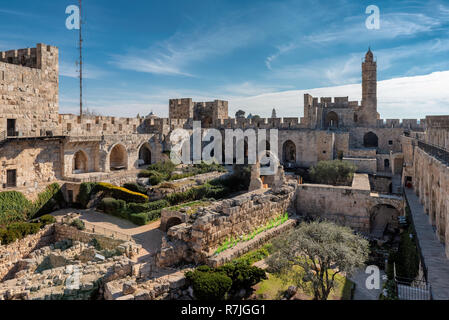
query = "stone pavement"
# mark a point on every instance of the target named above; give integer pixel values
(361, 292)
(432, 250)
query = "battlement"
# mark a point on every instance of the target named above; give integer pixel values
(412, 124)
(29, 57)
(329, 102)
(437, 121)
(74, 125)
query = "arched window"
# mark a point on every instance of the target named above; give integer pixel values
(289, 152)
(118, 158)
(332, 120)
(144, 155)
(387, 164)
(80, 163)
(370, 140)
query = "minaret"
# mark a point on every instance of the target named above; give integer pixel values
(273, 113)
(369, 89)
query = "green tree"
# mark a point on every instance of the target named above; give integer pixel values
(240, 114)
(314, 253)
(334, 172)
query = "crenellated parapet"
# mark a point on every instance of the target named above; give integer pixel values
(412, 124)
(73, 125)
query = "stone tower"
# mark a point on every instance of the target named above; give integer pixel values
(369, 113)
(273, 114)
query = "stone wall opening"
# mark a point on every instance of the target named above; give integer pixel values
(172, 222)
(370, 140)
(80, 162)
(144, 155)
(331, 120)
(118, 158)
(289, 153)
(381, 217)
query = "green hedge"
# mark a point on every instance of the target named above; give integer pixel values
(149, 206)
(139, 219)
(209, 285)
(133, 186)
(13, 207)
(163, 171)
(121, 193)
(48, 200)
(85, 193)
(215, 283)
(47, 219)
(18, 230)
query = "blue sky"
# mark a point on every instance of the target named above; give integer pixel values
(138, 53)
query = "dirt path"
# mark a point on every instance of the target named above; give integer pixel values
(149, 236)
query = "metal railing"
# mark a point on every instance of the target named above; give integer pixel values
(436, 151)
(411, 289)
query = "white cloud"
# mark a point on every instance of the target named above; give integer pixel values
(407, 97)
(175, 55)
(89, 71)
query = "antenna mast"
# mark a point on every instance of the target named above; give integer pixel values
(81, 59)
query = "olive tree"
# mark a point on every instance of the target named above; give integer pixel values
(312, 254)
(334, 172)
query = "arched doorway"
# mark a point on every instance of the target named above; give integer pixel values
(172, 222)
(80, 163)
(331, 120)
(370, 140)
(382, 216)
(118, 158)
(289, 153)
(144, 155)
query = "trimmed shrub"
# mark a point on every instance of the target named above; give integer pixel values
(85, 193)
(48, 200)
(209, 285)
(47, 219)
(140, 219)
(243, 276)
(149, 206)
(135, 187)
(79, 224)
(121, 193)
(114, 207)
(14, 206)
(18, 230)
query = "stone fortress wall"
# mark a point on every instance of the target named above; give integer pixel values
(196, 239)
(426, 168)
(29, 90)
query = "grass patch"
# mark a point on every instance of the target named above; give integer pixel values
(274, 287)
(232, 242)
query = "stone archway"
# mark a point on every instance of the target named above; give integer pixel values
(145, 155)
(118, 158)
(289, 153)
(174, 221)
(370, 140)
(80, 162)
(381, 216)
(331, 120)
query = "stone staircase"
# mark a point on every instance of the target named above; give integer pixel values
(396, 182)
